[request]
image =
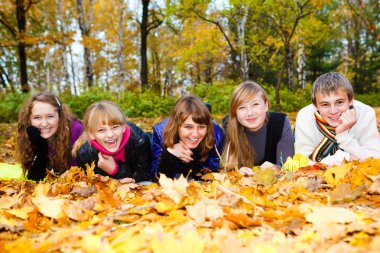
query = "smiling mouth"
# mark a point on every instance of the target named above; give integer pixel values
(113, 142)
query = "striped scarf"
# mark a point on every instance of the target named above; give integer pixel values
(328, 145)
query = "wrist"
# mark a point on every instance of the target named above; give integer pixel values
(113, 172)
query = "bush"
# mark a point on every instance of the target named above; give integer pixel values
(150, 105)
(371, 99)
(10, 105)
(79, 104)
(219, 94)
(146, 104)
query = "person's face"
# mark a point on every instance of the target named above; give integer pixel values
(191, 133)
(45, 117)
(332, 106)
(109, 137)
(252, 112)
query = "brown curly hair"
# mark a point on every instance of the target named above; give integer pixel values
(183, 108)
(59, 143)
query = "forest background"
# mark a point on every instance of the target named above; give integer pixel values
(144, 54)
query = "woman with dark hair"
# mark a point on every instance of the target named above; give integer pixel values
(187, 142)
(46, 132)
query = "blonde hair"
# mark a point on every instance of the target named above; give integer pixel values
(183, 108)
(59, 142)
(99, 113)
(238, 151)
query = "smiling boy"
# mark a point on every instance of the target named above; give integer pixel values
(336, 127)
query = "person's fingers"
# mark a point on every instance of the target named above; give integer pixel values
(104, 156)
(246, 171)
(187, 159)
(127, 180)
(183, 145)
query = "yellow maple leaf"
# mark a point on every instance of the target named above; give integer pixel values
(265, 177)
(94, 243)
(336, 175)
(190, 243)
(21, 213)
(298, 161)
(174, 188)
(48, 206)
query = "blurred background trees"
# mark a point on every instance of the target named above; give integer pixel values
(170, 47)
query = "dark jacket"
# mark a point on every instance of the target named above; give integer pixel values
(41, 162)
(137, 157)
(273, 137)
(165, 162)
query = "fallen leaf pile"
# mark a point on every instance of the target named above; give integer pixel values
(312, 209)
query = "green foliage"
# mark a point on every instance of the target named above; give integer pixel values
(79, 104)
(146, 104)
(292, 101)
(10, 105)
(218, 95)
(150, 105)
(134, 104)
(371, 99)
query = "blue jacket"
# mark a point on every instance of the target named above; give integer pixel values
(212, 162)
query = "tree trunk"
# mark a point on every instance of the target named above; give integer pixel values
(121, 57)
(289, 64)
(63, 55)
(244, 65)
(143, 46)
(85, 27)
(168, 83)
(72, 69)
(278, 87)
(301, 68)
(22, 57)
(156, 64)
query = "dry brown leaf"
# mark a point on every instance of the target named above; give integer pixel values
(242, 220)
(343, 192)
(9, 201)
(375, 187)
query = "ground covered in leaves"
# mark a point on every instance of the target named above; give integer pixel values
(312, 209)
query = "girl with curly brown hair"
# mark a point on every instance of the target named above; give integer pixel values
(46, 132)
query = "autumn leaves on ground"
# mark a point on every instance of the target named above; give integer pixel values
(312, 209)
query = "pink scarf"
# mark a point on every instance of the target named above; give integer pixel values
(118, 155)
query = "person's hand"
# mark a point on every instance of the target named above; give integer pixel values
(267, 165)
(106, 162)
(347, 120)
(182, 152)
(37, 140)
(245, 171)
(337, 158)
(127, 180)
